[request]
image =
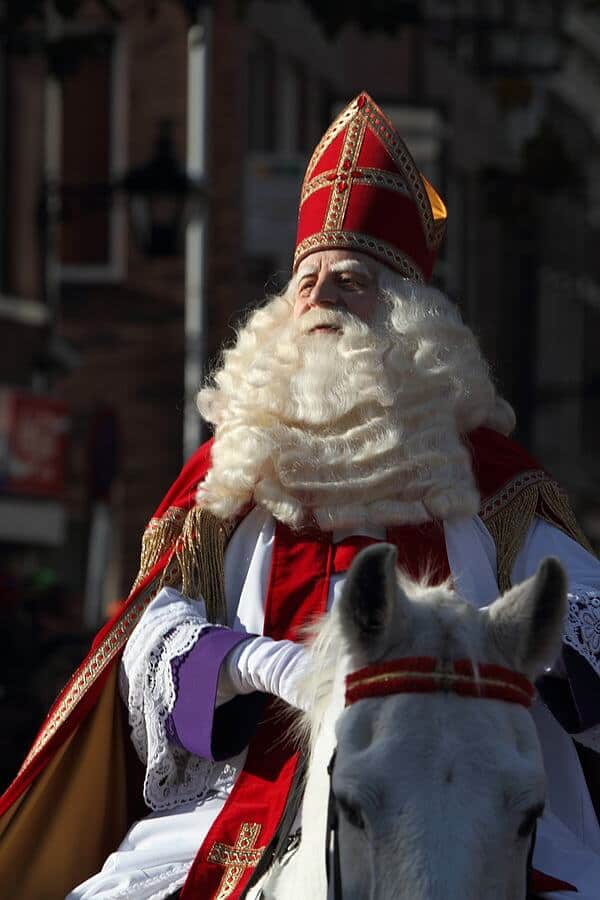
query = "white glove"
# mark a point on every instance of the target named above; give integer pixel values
(262, 664)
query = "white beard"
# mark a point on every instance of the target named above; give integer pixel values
(335, 373)
(337, 430)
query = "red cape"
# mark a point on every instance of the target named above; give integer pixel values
(81, 692)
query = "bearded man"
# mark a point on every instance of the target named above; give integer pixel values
(354, 407)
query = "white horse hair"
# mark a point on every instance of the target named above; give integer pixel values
(437, 794)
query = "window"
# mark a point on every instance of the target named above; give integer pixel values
(21, 155)
(92, 231)
(262, 97)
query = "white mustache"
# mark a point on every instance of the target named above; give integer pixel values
(323, 318)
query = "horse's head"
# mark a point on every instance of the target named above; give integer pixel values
(438, 794)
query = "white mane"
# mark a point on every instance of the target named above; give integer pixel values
(328, 662)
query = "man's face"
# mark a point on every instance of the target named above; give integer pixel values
(336, 280)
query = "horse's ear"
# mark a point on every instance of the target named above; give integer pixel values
(370, 598)
(527, 622)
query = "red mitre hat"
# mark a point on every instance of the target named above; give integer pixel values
(363, 192)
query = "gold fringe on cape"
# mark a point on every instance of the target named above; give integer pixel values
(508, 517)
(157, 538)
(197, 565)
(200, 538)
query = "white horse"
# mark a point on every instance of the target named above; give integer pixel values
(437, 794)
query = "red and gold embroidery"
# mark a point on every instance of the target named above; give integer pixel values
(341, 179)
(91, 670)
(371, 155)
(243, 855)
(158, 536)
(509, 513)
(364, 243)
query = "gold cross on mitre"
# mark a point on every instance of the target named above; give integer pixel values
(243, 855)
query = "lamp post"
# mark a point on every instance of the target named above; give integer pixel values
(161, 198)
(198, 101)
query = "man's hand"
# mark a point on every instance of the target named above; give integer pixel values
(262, 664)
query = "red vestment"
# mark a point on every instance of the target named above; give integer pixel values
(74, 750)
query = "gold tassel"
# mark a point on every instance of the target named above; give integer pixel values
(159, 535)
(555, 508)
(509, 526)
(197, 568)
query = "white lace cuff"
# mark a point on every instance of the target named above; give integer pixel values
(169, 628)
(582, 634)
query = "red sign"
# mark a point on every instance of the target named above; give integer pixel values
(33, 443)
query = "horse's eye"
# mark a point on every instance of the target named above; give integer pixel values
(529, 819)
(351, 813)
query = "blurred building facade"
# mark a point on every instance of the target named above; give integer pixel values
(566, 430)
(91, 323)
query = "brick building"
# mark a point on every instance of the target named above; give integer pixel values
(566, 432)
(107, 327)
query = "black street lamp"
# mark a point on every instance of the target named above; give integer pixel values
(161, 198)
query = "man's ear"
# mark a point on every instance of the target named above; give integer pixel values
(371, 600)
(527, 622)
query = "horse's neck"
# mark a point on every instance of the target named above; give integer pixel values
(305, 875)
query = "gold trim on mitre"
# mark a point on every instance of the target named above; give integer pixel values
(361, 113)
(364, 243)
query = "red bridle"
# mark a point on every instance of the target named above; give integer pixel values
(428, 675)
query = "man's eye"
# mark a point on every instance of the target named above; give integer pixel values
(351, 284)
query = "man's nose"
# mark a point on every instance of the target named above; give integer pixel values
(324, 293)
